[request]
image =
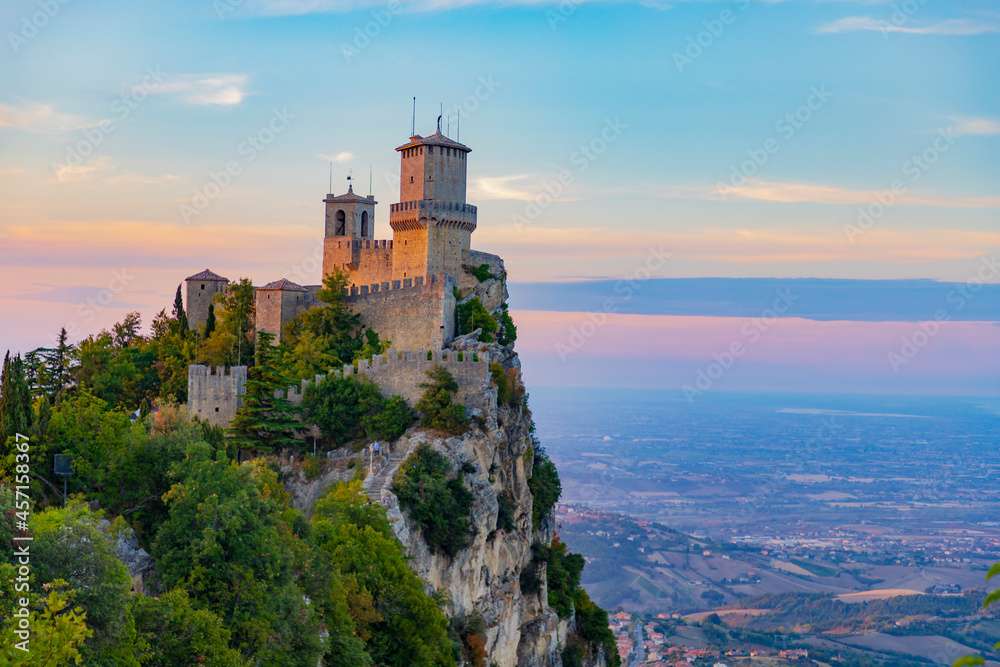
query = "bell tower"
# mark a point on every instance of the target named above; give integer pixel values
(349, 221)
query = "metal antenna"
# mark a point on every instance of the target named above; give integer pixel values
(449, 125)
(369, 179)
(440, 116)
(331, 178)
(413, 120)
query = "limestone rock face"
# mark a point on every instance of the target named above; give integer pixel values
(485, 577)
(496, 452)
(491, 292)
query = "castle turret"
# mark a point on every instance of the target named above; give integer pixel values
(278, 302)
(201, 289)
(432, 224)
(350, 221)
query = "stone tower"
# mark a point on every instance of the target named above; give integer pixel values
(201, 289)
(432, 224)
(350, 220)
(278, 302)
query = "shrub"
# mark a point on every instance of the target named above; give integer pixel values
(345, 408)
(436, 499)
(510, 390)
(592, 626)
(312, 467)
(389, 422)
(545, 486)
(472, 315)
(471, 630)
(482, 273)
(563, 577)
(507, 332)
(505, 512)
(437, 407)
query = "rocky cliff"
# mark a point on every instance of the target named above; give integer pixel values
(482, 581)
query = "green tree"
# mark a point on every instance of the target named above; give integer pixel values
(126, 332)
(471, 315)
(344, 408)
(231, 343)
(58, 362)
(210, 320)
(390, 421)
(992, 598)
(506, 329)
(179, 316)
(173, 348)
(119, 368)
(437, 406)
(564, 570)
(15, 398)
(401, 625)
(58, 629)
(544, 485)
(327, 335)
(140, 475)
(435, 498)
(265, 422)
(92, 435)
(224, 542)
(172, 632)
(592, 626)
(70, 544)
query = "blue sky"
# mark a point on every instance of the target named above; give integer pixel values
(141, 142)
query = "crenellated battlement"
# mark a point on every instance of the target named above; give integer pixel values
(215, 393)
(420, 283)
(398, 373)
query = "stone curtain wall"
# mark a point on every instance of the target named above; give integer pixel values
(402, 373)
(364, 261)
(417, 314)
(214, 394)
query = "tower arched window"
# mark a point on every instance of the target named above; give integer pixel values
(341, 224)
(364, 224)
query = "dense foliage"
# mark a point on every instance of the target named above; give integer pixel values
(437, 407)
(482, 273)
(471, 315)
(241, 577)
(344, 408)
(544, 484)
(435, 497)
(266, 421)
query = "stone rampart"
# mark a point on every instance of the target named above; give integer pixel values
(215, 393)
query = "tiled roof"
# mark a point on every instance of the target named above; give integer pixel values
(349, 197)
(207, 275)
(286, 285)
(436, 139)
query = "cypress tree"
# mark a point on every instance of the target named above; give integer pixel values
(179, 314)
(210, 320)
(15, 398)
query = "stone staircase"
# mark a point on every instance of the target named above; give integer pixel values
(378, 481)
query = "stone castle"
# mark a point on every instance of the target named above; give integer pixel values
(404, 288)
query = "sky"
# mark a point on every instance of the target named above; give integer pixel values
(847, 139)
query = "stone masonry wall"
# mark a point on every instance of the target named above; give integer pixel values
(200, 294)
(402, 373)
(274, 308)
(417, 314)
(364, 261)
(214, 394)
